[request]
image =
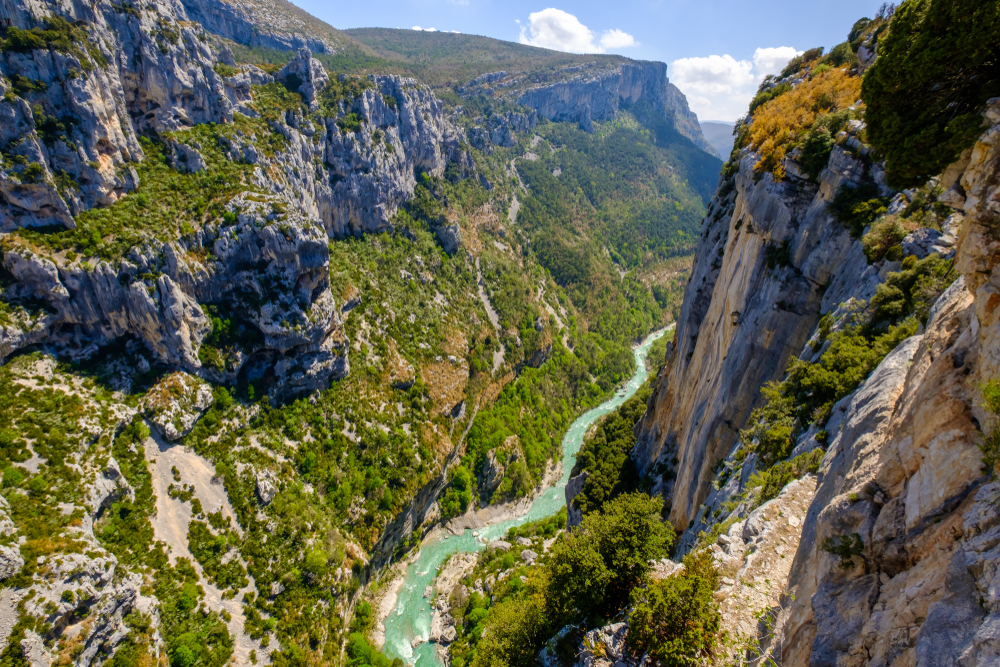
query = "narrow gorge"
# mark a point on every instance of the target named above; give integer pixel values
(381, 347)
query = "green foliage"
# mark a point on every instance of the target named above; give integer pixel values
(458, 495)
(228, 337)
(937, 66)
(273, 100)
(594, 568)
(342, 89)
(765, 95)
(840, 56)
(349, 123)
(772, 480)
(225, 70)
(167, 200)
(910, 291)
(361, 653)
(191, 636)
(22, 85)
(846, 548)
(810, 390)
(517, 627)
(59, 35)
(606, 456)
(589, 574)
(210, 549)
(818, 142)
(884, 239)
(125, 528)
(778, 255)
(772, 425)
(858, 207)
(990, 447)
(676, 620)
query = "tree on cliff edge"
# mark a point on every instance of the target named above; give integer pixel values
(937, 66)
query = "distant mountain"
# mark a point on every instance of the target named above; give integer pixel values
(564, 83)
(719, 134)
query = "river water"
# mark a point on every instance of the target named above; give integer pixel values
(412, 616)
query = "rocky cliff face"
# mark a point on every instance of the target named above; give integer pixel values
(893, 560)
(596, 92)
(70, 142)
(743, 319)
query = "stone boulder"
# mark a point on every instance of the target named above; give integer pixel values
(266, 486)
(11, 561)
(176, 403)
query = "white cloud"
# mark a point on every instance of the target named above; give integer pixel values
(555, 29)
(721, 87)
(714, 75)
(616, 39)
(773, 60)
(418, 28)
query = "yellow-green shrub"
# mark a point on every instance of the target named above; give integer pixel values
(778, 124)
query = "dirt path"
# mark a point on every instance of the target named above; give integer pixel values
(170, 525)
(498, 355)
(515, 206)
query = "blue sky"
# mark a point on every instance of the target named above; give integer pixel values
(718, 50)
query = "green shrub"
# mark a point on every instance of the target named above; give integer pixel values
(517, 629)
(845, 547)
(225, 70)
(361, 653)
(910, 291)
(818, 142)
(606, 456)
(937, 67)
(772, 480)
(457, 497)
(58, 34)
(677, 620)
(349, 123)
(772, 425)
(33, 173)
(778, 255)
(595, 568)
(885, 235)
(990, 447)
(12, 477)
(841, 55)
(858, 207)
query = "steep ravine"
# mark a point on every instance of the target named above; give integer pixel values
(406, 625)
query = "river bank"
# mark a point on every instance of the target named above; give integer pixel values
(406, 625)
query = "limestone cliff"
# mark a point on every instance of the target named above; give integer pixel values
(742, 320)
(596, 92)
(892, 559)
(71, 144)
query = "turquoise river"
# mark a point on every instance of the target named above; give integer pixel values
(412, 616)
